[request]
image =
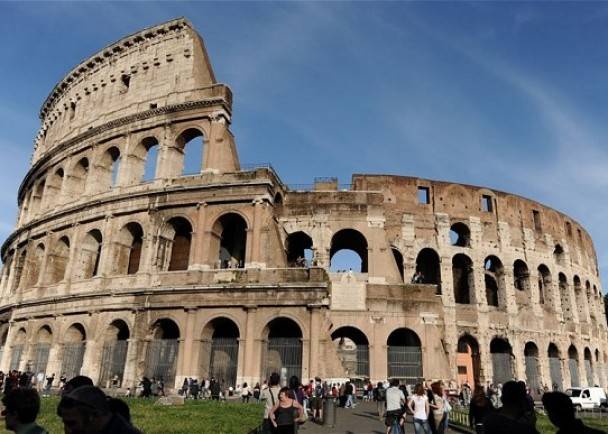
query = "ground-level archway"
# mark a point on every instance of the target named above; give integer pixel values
(162, 351)
(114, 353)
(283, 353)
(220, 351)
(404, 355)
(555, 368)
(353, 350)
(41, 349)
(575, 380)
(532, 368)
(468, 361)
(73, 350)
(502, 363)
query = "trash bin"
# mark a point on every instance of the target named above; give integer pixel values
(329, 412)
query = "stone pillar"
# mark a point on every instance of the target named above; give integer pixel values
(188, 352)
(179, 371)
(198, 257)
(253, 259)
(315, 336)
(378, 350)
(129, 377)
(107, 256)
(251, 368)
(510, 290)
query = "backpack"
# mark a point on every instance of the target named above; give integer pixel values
(318, 391)
(381, 394)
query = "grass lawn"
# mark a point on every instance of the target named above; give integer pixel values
(545, 427)
(202, 417)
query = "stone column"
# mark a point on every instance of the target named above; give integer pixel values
(315, 335)
(129, 377)
(187, 350)
(251, 368)
(198, 257)
(253, 260)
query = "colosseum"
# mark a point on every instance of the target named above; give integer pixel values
(129, 260)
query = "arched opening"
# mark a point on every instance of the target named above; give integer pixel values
(494, 280)
(348, 240)
(284, 349)
(591, 301)
(353, 350)
(191, 143)
(298, 246)
(113, 157)
(55, 185)
(41, 350)
(128, 248)
(580, 299)
(532, 368)
(427, 264)
(35, 266)
(58, 260)
(19, 267)
(521, 275)
(114, 354)
(161, 354)
(220, 351)
(555, 368)
(558, 255)
(588, 367)
(404, 356)
(468, 361)
(3, 338)
(278, 199)
(230, 232)
(460, 235)
(502, 364)
(544, 283)
(90, 254)
(462, 274)
(575, 380)
(565, 297)
(17, 349)
(79, 177)
(36, 204)
(74, 345)
(399, 262)
(174, 245)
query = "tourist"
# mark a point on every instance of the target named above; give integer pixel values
(349, 392)
(194, 389)
(479, 408)
(419, 406)
(62, 380)
(86, 410)
(256, 392)
(395, 406)
(431, 400)
(447, 407)
(215, 388)
(75, 383)
(418, 277)
(184, 390)
(245, 393)
(49, 384)
(21, 407)
(380, 398)
(512, 417)
(270, 396)
(285, 414)
(437, 407)
(146, 387)
(318, 395)
(561, 413)
(296, 390)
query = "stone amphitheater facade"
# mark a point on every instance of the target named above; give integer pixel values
(123, 265)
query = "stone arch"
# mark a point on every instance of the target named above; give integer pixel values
(565, 297)
(404, 356)
(3, 338)
(19, 268)
(191, 152)
(144, 166)
(107, 168)
(42, 348)
(579, 298)
(74, 346)
(79, 176)
(502, 360)
(559, 256)
(531, 357)
(573, 366)
(544, 283)
(283, 338)
(353, 350)
(162, 351)
(460, 235)
(521, 275)
(174, 245)
(35, 264)
(468, 360)
(229, 240)
(36, 201)
(114, 353)
(17, 349)
(220, 350)
(494, 277)
(352, 240)
(58, 260)
(463, 280)
(428, 263)
(588, 360)
(298, 247)
(128, 248)
(90, 254)
(555, 367)
(278, 199)
(398, 257)
(54, 185)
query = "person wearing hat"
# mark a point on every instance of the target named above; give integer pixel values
(21, 407)
(86, 410)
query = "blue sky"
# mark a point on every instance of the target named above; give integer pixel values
(511, 96)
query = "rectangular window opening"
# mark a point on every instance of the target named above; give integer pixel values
(536, 218)
(424, 195)
(486, 203)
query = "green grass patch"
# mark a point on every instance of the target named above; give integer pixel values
(202, 417)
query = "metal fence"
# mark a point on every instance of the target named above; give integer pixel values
(161, 359)
(555, 370)
(284, 353)
(224, 359)
(589, 372)
(502, 369)
(532, 372)
(16, 353)
(73, 355)
(41, 357)
(113, 358)
(574, 377)
(362, 361)
(405, 362)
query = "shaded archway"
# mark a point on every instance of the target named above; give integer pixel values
(353, 350)
(58, 260)
(502, 360)
(544, 283)
(349, 239)
(283, 348)
(575, 380)
(145, 166)
(558, 255)
(427, 263)
(174, 244)
(230, 239)
(579, 298)
(399, 262)
(79, 177)
(468, 361)
(565, 297)
(462, 274)
(460, 235)
(521, 276)
(128, 248)
(404, 356)
(532, 368)
(114, 353)
(17, 349)
(494, 280)
(588, 367)
(298, 247)
(107, 168)
(555, 367)
(161, 354)
(74, 345)
(34, 264)
(42, 347)
(90, 254)
(220, 351)
(191, 143)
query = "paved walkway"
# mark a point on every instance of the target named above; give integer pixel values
(361, 420)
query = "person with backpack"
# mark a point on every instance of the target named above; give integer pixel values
(349, 392)
(316, 403)
(380, 398)
(270, 396)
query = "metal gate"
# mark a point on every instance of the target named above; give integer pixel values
(362, 361)
(41, 357)
(589, 372)
(224, 359)
(16, 357)
(405, 363)
(284, 353)
(161, 360)
(113, 359)
(574, 377)
(73, 355)
(501, 368)
(555, 370)
(532, 373)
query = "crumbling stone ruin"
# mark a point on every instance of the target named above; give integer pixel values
(127, 262)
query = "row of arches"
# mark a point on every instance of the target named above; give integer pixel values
(101, 169)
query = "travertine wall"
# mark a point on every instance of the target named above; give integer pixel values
(99, 244)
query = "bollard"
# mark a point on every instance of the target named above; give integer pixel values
(329, 412)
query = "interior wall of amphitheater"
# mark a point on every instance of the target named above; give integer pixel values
(127, 261)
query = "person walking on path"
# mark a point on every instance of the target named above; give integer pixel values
(380, 398)
(560, 410)
(286, 413)
(270, 396)
(419, 406)
(395, 406)
(479, 408)
(437, 407)
(245, 393)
